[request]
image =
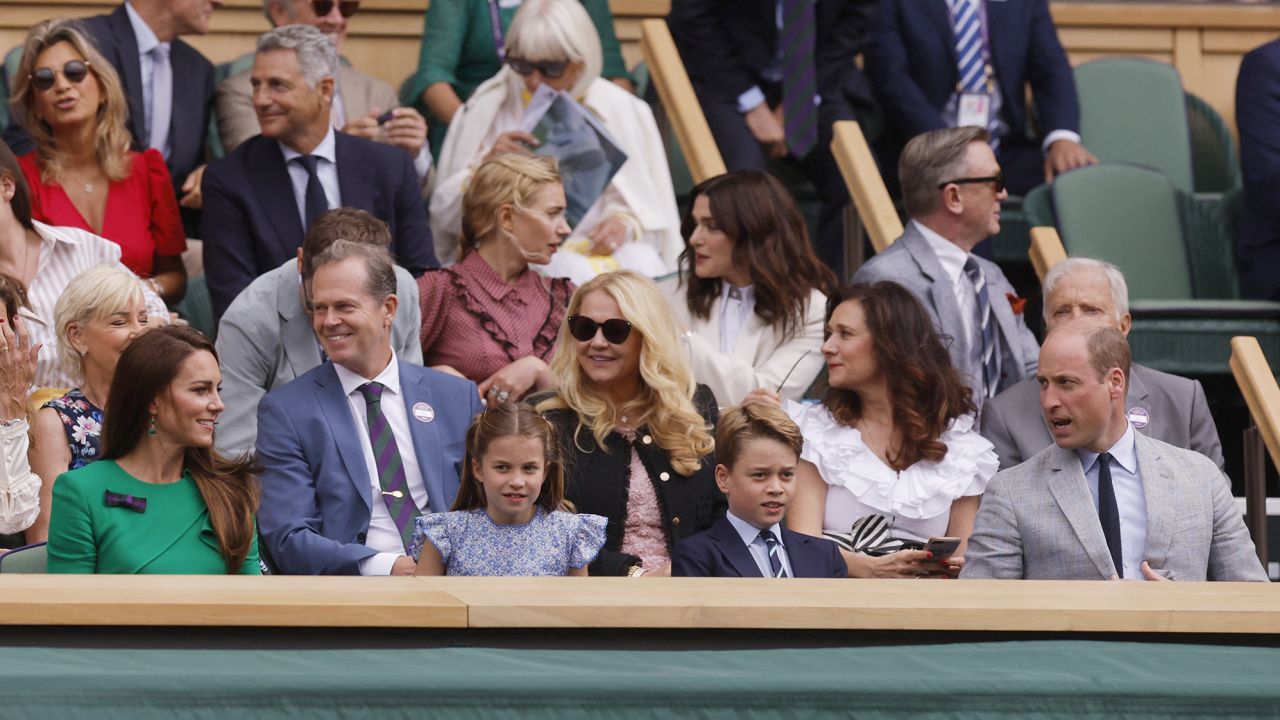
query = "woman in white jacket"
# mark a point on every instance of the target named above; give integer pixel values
(634, 224)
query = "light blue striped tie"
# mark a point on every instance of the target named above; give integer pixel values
(990, 339)
(970, 60)
(775, 562)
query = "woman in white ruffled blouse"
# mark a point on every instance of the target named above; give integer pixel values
(894, 436)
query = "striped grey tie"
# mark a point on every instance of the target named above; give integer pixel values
(775, 562)
(987, 325)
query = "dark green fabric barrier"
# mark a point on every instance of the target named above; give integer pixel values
(1030, 679)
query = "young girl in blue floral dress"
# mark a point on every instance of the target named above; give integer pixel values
(510, 516)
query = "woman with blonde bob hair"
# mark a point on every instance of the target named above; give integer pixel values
(634, 222)
(634, 426)
(99, 314)
(490, 317)
(82, 173)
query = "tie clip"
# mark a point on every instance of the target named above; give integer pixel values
(394, 493)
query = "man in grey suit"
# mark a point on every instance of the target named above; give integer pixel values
(952, 187)
(1159, 405)
(265, 338)
(1105, 502)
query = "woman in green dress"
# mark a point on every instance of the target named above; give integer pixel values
(160, 500)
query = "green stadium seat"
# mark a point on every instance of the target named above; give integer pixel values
(26, 559)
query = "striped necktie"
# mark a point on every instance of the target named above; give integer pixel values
(775, 562)
(386, 456)
(799, 76)
(987, 326)
(971, 62)
(1109, 512)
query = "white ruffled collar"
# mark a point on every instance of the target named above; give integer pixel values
(924, 490)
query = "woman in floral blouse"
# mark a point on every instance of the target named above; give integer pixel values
(101, 310)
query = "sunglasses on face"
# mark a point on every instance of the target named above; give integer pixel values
(997, 179)
(74, 71)
(583, 329)
(552, 69)
(346, 8)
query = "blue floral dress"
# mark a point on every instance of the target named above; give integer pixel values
(470, 543)
(82, 421)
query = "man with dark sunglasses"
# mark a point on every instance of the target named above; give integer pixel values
(261, 199)
(169, 84)
(362, 104)
(952, 187)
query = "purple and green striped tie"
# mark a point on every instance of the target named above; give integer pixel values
(799, 76)
(386, 455)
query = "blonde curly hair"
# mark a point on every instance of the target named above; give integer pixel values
(665, 401)
(507, 179)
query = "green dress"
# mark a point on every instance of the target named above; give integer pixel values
(171, 536)
(458, 48)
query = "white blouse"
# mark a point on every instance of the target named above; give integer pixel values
(916, 501)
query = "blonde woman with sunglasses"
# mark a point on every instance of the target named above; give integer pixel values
(82, 173)
(634, 428)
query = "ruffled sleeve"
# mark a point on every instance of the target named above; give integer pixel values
(437, 529)
(19, 487)
(586, 539)
(167, 233)
(970, 457)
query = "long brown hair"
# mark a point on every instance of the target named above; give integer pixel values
(13, 294)
(512, 420)
(927, 392)
(21, 202)
(770, 242)
(147, 368)
(111, 133)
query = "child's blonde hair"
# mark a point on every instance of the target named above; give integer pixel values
(754, 421)
(512, 420)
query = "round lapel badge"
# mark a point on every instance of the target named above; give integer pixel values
(423, 412)
(1139, 417)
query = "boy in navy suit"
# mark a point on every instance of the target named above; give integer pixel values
(757, 449)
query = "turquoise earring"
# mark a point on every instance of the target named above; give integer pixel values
(151, 429)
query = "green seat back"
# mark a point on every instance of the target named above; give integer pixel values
(1134, 111)
(26, 559)
(1128, 216)
(196, 307)
(1214, 161)
(11, 61)
(1038, 206)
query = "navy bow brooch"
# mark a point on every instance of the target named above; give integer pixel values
(133, 502)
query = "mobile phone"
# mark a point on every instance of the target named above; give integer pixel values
(942, 547)
(387, 116)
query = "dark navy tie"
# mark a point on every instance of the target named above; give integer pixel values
(799, 76)
(1109, 512)
(316, 203)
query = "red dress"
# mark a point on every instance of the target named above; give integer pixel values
(141, 217)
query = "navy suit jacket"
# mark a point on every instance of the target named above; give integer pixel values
(719, 552)
(251, 225)
(911, 62)
(1258, 118)
(193, 91)
(315, 485)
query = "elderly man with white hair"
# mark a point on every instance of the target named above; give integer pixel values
(260, 199)
(1166, 407)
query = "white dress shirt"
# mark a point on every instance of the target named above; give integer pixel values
(756, 545)
(1130, 499)
(952, 260)
(147, 42)
(736, 307)
(326, 170)
(383, 534)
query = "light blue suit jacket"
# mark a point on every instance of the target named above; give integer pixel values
(316, 500)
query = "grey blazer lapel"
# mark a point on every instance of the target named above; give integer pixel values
(1003, 313)
(297, 337)
(940, 291)
(1071, 490)
(1157, 488)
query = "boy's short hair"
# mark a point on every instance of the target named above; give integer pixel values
(753, 421)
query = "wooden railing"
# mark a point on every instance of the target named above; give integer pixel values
(1262, 395)
(866, 186)
(1046, 250)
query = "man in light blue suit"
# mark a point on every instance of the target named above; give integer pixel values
(356, 449)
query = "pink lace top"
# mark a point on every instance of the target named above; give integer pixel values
(642, 534)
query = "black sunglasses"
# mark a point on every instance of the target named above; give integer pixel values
(553, 69)
(583, 329)
(346, 7)
(74, 71)
(998, 179)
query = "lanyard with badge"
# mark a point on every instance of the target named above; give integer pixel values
(974, 107)
(495, 23)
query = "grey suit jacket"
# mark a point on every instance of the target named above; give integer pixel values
(238, 122)
(911, 263)
(1175, 409)
(265, 340)
(1038, 521)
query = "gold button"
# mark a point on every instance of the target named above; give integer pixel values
(664, 476)
(647, 439)
(675, 521)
